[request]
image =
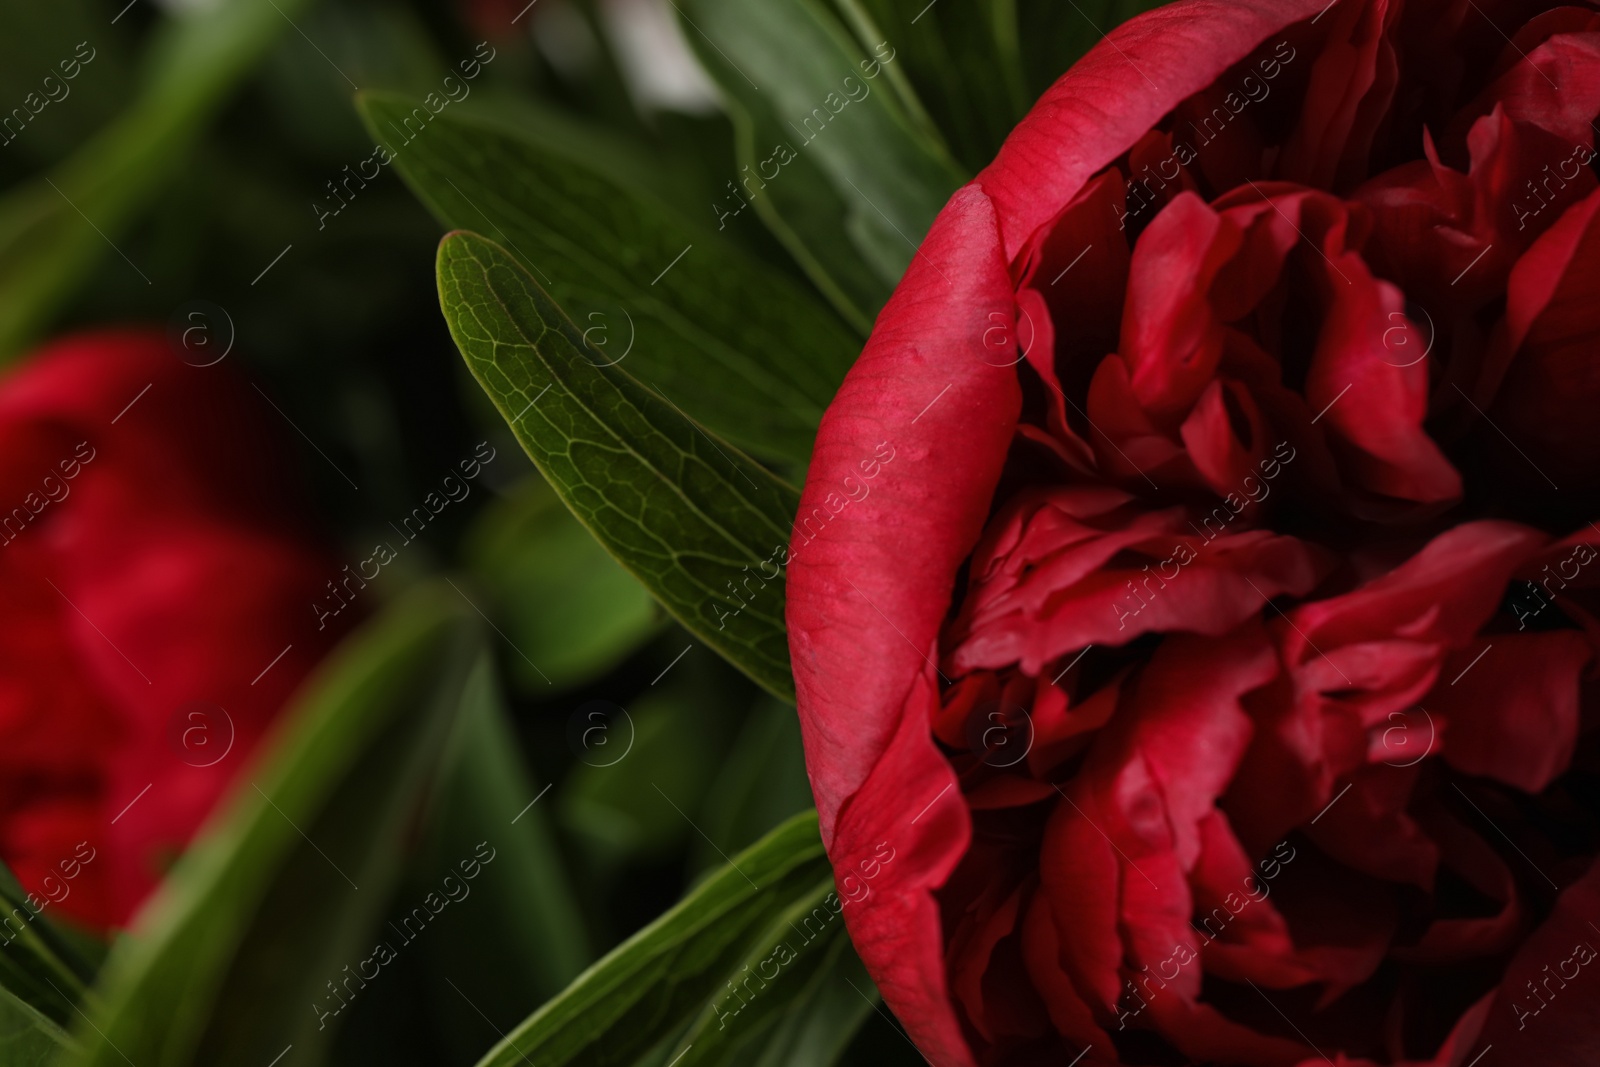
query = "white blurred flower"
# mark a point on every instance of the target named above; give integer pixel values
(662, 71)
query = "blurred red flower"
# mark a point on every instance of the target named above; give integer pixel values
(157, 580)
(497, 19)
(1218, 656)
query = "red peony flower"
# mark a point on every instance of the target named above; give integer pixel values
(1216, 656)
(158, 588)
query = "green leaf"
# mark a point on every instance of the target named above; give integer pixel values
(38, 964)
(55, 229)
(816, 105)
(696, 318)
(236, 957)
(825, 1016)
(674, 160)
(1056, 35)
(796, 999)
(760, 783)
(563, 600)
(963, 59)
(694, 520)
(632, 798)
(38, 43)
(653, 986)
(27, 1037)
(807, 215)
(521, 938)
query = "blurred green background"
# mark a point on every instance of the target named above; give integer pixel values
(198, 175)
(200, 150)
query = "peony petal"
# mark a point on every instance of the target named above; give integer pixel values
(1185, 721)
(173, 528)
(1368, 829)
(216, 444)
(1352, 85)
(1112, 96)
(1552, 383)
(1082, 877)
(1553, 85)
(880, 576)
(1480, 866)
(1117, 849)
(1550, 274)
(1073, 567)
(1543, 1013)
(908, 816)
(1171, 336)
(1450, 588)
(1204, 1034)
(150, 596)
(1514, 715)
(1041, 952)
(1373, 403)
(972, 945)
(1226, 436)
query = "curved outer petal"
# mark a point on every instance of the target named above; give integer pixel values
(909, 815)
(1099, 108)
(869, 586)
(875, 580)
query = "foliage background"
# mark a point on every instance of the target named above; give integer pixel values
(200, 142)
